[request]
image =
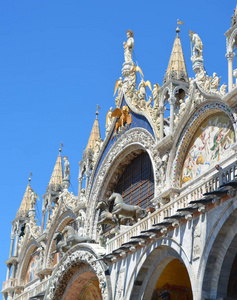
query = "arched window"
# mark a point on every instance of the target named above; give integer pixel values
(136, 184)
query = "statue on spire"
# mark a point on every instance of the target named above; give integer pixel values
(197, 44)
(66, 168)
(128, 46)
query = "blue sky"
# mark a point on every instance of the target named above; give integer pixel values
(59, 59)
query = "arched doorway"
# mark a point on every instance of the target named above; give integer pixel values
(160, 267)
(85, 286)
(173, 283)
(220, 275)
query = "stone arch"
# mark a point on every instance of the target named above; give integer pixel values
(166, 93)
(183, 139)
(150, 266)
(131, 141)
(63, 220)
(218, 255)
(232, 41)
(80, 259)
(181, 87)
(30, 249)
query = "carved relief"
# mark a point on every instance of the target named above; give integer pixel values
(64, 272)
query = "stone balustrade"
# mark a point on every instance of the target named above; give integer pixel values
(10, 283)
(40, 288)
(192, 190)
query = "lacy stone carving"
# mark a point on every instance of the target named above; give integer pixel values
(55, 291)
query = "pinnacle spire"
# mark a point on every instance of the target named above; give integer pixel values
(57, 175)
(95, 132)
(25, 203)
(177, 67)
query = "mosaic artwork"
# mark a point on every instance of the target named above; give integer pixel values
(208, 146)
(33, 268)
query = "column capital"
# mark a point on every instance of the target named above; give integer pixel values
(80, 179)
(230, 55)
(162, 109)
(87, 173)
(172, 100)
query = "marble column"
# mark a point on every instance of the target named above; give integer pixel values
(50, 207)
(11, 246)
(172, 102)
(80, 179)
(43, 219)
(16, 245)
(162, 111)
(8, 271)
(87, 179)
(230, 57)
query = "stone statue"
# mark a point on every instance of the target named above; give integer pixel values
(106, 217)
(142, 89)
(108, 120)
(128, 46)
(223, 89)
(215, 82)
(148, 105)
(164, 163)
(123, 209)
(33, 197)
(197, 44)
(155, 93)
(72, 238)
(201, 77)
(207, 83)
(66, 168)
(118, 87)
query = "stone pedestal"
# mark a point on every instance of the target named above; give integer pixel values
(197, 64)
(127, 66)
(65, 183)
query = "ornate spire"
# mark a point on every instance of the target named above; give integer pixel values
(25, 203)
(95, 132)
(57, 175)
(177, 68)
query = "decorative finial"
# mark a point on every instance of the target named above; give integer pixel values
(30, 178)
(178, 23)
(97, 111)
(60, 148)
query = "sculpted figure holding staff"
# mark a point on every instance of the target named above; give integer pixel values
(128, 46)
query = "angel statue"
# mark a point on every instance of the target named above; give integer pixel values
(66, 168)
(128, 46)
(108, 120)
(123, 117)
(142, 88)
(118, 87)
(197, 44)
(155, 92)
(133, 71)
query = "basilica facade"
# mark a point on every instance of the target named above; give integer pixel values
(156, 212)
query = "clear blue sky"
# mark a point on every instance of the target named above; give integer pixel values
(59, 59)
